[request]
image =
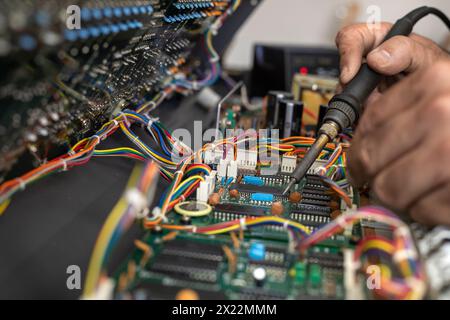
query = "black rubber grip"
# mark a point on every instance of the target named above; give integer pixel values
(366, 80)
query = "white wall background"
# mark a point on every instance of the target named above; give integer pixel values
(316, 22)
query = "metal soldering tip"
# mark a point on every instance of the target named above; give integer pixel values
(289, 186)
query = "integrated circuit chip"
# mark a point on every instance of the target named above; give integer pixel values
(250, 188)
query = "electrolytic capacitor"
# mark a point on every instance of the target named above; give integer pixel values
(259, 275)
(273, 99)
(290, 118)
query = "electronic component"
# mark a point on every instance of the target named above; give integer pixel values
(288, 163)
(259, 274)
(203, 192)
(246, 159)
(193, 208)
(257, 251)
(239, 210)
(232, 170)
(265, 197)
(251, 188)
(256, 181)
(273, 108)
(195, 261)
(222, 168)
(314, 91)
(290, 113)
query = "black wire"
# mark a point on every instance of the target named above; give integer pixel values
(421, 12)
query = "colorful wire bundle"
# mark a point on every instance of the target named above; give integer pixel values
(401, 249)
(213, 56)
(118, 222)
(80, 154)
(244, 223)
(85, 149)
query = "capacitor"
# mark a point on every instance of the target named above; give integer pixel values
(273, 99)
(234, 194)
(257, 251)
(259, 275)
(290, 118)
(214, 199)
(277, 208)
(295, 197)
(185, 220)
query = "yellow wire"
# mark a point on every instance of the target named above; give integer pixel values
(259, 220)
(95, 263)
(118, 150)
(137, 141)
(4, 205)
(187, 181)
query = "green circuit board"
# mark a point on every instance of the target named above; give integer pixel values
(199, 262)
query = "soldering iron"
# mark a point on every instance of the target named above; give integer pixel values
(345, 108)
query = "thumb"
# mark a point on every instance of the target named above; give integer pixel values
(400, 54)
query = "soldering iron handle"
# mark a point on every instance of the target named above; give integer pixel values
(366, 80)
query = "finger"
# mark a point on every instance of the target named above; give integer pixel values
(412, 91)
(400, 54)
(353, 43)
(434, 208)
(370, 153)
(399, 135)
(415, 174)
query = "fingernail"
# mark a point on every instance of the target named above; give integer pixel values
(382, 56)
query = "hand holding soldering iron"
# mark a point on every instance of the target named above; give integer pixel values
(402, 142)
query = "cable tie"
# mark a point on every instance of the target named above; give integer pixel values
(182, 197)
(321, 170)
(151, 120)
(341, 221)
(214, 59)
(125, 118)
(194, 85)
(64, 162)
(179, 172)
(115, 122)
(285, 224)
(403, 254)
(157, 214)
(22, 183)
(242, 224)
(98, 138)
(135, 138)
(194, 229)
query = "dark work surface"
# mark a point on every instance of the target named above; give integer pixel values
(55, 221)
